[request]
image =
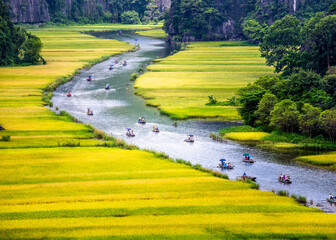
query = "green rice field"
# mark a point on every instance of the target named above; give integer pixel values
(179, 85)
(154, 33)
(58, 182)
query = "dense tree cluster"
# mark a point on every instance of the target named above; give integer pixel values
(117, 11)
(206, 19)
(304, 102)
(16, 45)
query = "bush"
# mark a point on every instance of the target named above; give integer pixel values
(133, 77)
(5, 138)
(283, 193)
(130, 17)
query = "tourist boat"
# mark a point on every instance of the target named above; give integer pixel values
(69, 94)
(248, 158)
(190, 138)
(142, 120)
(89, 78)
(224, 165)
(89, 112)
(111, 67)
(244, 177)
(156, 129)
(331, 200)
(107, 87)
(286, 181)
(129, 133)
(124, 63)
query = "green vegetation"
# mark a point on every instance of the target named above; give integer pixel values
(223, 20)
(16, 45)
(154, 33)
(179, 85)
(130, 17)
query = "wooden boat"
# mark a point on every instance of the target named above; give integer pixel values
(190, 138)
(89, 78)
(156, 129)
(141, 120)
(107, 87)
(331, 200)
(287, 181)
(69, 95)
(248, 177)
(89, 112)
(130, 134)
(124, 63)
(248, 160)
(225, 167)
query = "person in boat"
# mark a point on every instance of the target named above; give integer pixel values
(280, 176)
(69, 94)
(132, 133)
(288, 178)
(244, 175)
(225, 165)
(107, 86)
(331, 197)
(89, 111)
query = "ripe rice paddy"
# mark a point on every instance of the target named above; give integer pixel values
(154, 33)
(49, 191)
(179, 85)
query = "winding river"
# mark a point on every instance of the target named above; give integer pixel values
(118, 108)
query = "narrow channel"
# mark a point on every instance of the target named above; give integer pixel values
(118, 108)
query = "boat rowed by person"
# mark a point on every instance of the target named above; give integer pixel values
(116, 61)
(130, 132)
(111, 67)
(89, 112)
(284, 179)
(156, 129)
(331, 198)
(89, 78)
(125, 63)
(224, 165)
(107, 87)
(248, 158)
(190, 138)
(69, 94)
(142, 120)
(244, 177)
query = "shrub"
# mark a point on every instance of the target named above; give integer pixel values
(5, 138)
(133, 77)
(130, 17)
(283, 193)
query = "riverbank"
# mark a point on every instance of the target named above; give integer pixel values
(280, 141)
(61, 182)
(179, 85)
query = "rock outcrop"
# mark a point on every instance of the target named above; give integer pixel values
(28, 11)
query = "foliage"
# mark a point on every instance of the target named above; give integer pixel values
(285, 116)
(16, 45)
(5, 138)
(309, 119)
(130, 17)
(253, 31)
(133, 77)
(328, 123)
(265, 106)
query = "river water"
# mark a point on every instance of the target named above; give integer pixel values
(118, 108)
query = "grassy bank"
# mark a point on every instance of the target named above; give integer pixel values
(59, 184)
(154, 33)
(285, 141)
(179, 85)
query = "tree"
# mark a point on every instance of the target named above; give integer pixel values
(130, 17)
(265, 107)
(329, 85)
(309, 119)
(328, 123)
(285, 115)
(253, 31)
(249, 98)
(32, 48)
(280, 46)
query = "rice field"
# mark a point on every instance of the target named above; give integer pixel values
(323, 160)
(179, 85)
(57, 182)
(91, 192)
(246, 136)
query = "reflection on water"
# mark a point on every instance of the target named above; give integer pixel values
(118, 108)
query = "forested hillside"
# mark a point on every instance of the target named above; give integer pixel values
(223, 19)
(84, 11)
(16, 45)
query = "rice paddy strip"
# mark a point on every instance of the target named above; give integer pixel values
(96, 192)
(154, 33)
(179, 85)
(49, 191)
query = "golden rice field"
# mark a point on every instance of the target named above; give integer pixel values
(49, 191)
(179, 85)
(324, 160)
(246, 136)
(102, 192)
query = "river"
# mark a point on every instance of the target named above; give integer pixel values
(118, 108)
